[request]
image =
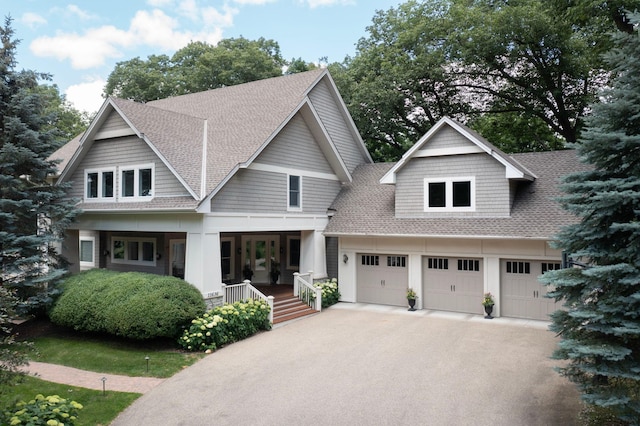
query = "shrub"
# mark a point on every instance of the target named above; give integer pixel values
(226, 324)
(131, 304)
(43, 410)
(330, 292)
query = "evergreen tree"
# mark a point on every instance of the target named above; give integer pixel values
(600, 328)
(33, 213)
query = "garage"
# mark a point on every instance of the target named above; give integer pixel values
(382, 279)
(453, 284)
(522, 295)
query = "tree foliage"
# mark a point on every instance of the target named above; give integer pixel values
(197, 67)
(33, 213)
(534, 60)
(13, 353)
(600, 329)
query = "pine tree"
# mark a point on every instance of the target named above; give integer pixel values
(600, 328)
(33, 213)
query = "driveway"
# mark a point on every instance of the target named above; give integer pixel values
(357, 364)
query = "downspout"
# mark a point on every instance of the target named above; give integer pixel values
(203, 174)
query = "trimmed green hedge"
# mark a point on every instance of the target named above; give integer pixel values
(127, 304)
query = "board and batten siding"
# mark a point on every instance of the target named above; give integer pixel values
(258, 191)
(492, 187)
(337, 126)
(127, 151)
(296, 148)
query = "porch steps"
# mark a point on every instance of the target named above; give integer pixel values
(288, 308)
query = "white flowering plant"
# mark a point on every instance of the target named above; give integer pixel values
(330, 292)
(226, 324)
(49, 410)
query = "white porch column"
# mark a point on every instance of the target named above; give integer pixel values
(203, 266)
(492, 281)
(313, 253)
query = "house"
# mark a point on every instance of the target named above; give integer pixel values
(453, 219)
(213, 185)
(272, 175)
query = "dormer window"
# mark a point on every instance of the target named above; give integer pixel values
(99, 184)
(136, 182)
(449, 194)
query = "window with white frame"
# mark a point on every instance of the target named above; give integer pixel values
(133, 250)
(87, 252)
(99, 184)
(136, 182)
(450, 194)
(295, 192)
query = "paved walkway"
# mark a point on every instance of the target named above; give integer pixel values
(89, 379)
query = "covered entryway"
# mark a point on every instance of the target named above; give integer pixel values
(452, 284)
(382, 279)
(522, 295)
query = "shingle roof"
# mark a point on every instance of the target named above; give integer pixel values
(366, 207)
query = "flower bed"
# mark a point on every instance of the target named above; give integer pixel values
(50, 410)
(330, 292)
(226, 324)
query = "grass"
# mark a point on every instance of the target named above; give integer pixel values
(98, 409)
(113, 356)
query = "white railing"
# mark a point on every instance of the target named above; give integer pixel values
(243, 291)
(304, 290)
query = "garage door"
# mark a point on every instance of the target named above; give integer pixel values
(453, 284)
(522, 295)
(382, 279)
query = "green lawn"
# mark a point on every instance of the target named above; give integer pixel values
(98, 409)
(113, 356)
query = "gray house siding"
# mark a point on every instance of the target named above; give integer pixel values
(447, 138)
(295, 147)
(257, 191)
(125, 151)
(332, 257)
(329, 111)
(113, 122)
(492, 188)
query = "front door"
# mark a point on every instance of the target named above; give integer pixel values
(261, 255)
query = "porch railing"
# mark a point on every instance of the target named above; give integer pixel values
(304, 290)
(243, 291)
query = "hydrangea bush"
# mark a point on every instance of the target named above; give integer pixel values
(226, 324)
(49, 410)
(330, 292)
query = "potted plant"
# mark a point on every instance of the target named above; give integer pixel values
(247, 273)
(275, 271)
(487, 302)
(411, 298)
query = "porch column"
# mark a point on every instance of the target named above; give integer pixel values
(313, 253)
(203, 266)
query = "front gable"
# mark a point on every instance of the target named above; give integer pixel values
(454, 172)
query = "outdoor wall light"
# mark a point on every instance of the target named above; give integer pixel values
(345, 258)
(105, 253)
(158, 256)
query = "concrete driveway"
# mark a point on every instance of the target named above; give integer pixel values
(357, 364)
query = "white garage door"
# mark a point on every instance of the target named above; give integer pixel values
(382, 279)
(453, 284)
(521, 294)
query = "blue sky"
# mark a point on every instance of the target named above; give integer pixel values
(80, 42)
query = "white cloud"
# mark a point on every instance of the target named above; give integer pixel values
(160, 3)
(32, 20)
(76, 11)
(147, 28)
(87, 96)
(254, 2)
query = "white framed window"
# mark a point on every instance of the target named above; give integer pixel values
(133, 250)
(227, 258)
(99, 184)
(87, 252)
(136, 182)
(294, 189)
(293, 252)
(450, 194)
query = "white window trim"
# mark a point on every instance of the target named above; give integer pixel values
(289, 239)
(84, 264)
(289, 206)
(449, 194)
(100, 198)
(126, 248)
(136, 182)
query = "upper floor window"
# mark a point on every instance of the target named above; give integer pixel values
(99, 184)
(136, 181)
(449, 194)
(295, 192)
